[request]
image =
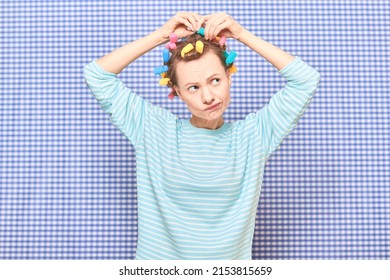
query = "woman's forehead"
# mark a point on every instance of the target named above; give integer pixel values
(203, 67)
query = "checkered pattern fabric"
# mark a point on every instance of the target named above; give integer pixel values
(67, 175)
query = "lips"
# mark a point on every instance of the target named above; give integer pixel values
(216, 106)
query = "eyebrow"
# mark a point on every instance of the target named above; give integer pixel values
(216, 74)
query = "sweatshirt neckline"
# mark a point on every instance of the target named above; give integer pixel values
(219, 130)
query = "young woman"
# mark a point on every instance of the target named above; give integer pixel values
(199, 179)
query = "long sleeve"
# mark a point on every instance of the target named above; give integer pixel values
(280, 116)
(126, 109)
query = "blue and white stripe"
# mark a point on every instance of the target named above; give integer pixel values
(198, 189)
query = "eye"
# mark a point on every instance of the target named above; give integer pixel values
(192, 88)
(218, 80)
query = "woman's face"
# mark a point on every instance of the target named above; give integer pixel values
(202, 83)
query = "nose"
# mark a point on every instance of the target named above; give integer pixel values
(207, 96)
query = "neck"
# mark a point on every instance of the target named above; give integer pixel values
(207, 124)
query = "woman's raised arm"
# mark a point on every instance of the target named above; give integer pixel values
(182, 24)
(222, 24)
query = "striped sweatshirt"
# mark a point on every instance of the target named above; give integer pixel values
(198, 189)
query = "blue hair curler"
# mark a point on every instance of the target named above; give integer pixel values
(230, 58)
(160, 69)
(165, 53)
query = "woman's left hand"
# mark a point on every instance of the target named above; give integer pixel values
(221, 24)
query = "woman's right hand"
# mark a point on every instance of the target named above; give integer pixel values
(183, 24)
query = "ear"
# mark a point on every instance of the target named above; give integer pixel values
(229, 75)
(178, 92)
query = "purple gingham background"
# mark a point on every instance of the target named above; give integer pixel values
(67, 175)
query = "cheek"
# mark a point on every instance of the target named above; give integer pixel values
(227, 92)
(227, 97)
(192, 102)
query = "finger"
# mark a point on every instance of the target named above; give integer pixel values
(197, 21)
(225, 23)
(209, 25)
(200, 23)
(213, 21)
(207, 17)
(186, 14)
(193, 21)
(206, 30)
(219, 28)
(192, 18)
(214, 16)
(197, 16)
(212, 24)
(184, 21)
(200, 20)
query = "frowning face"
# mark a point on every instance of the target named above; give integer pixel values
(201, 84)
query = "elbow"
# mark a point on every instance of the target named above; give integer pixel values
(312, 82)
(317, 79)
(314, 79)
(317, 76)
(85, 73)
